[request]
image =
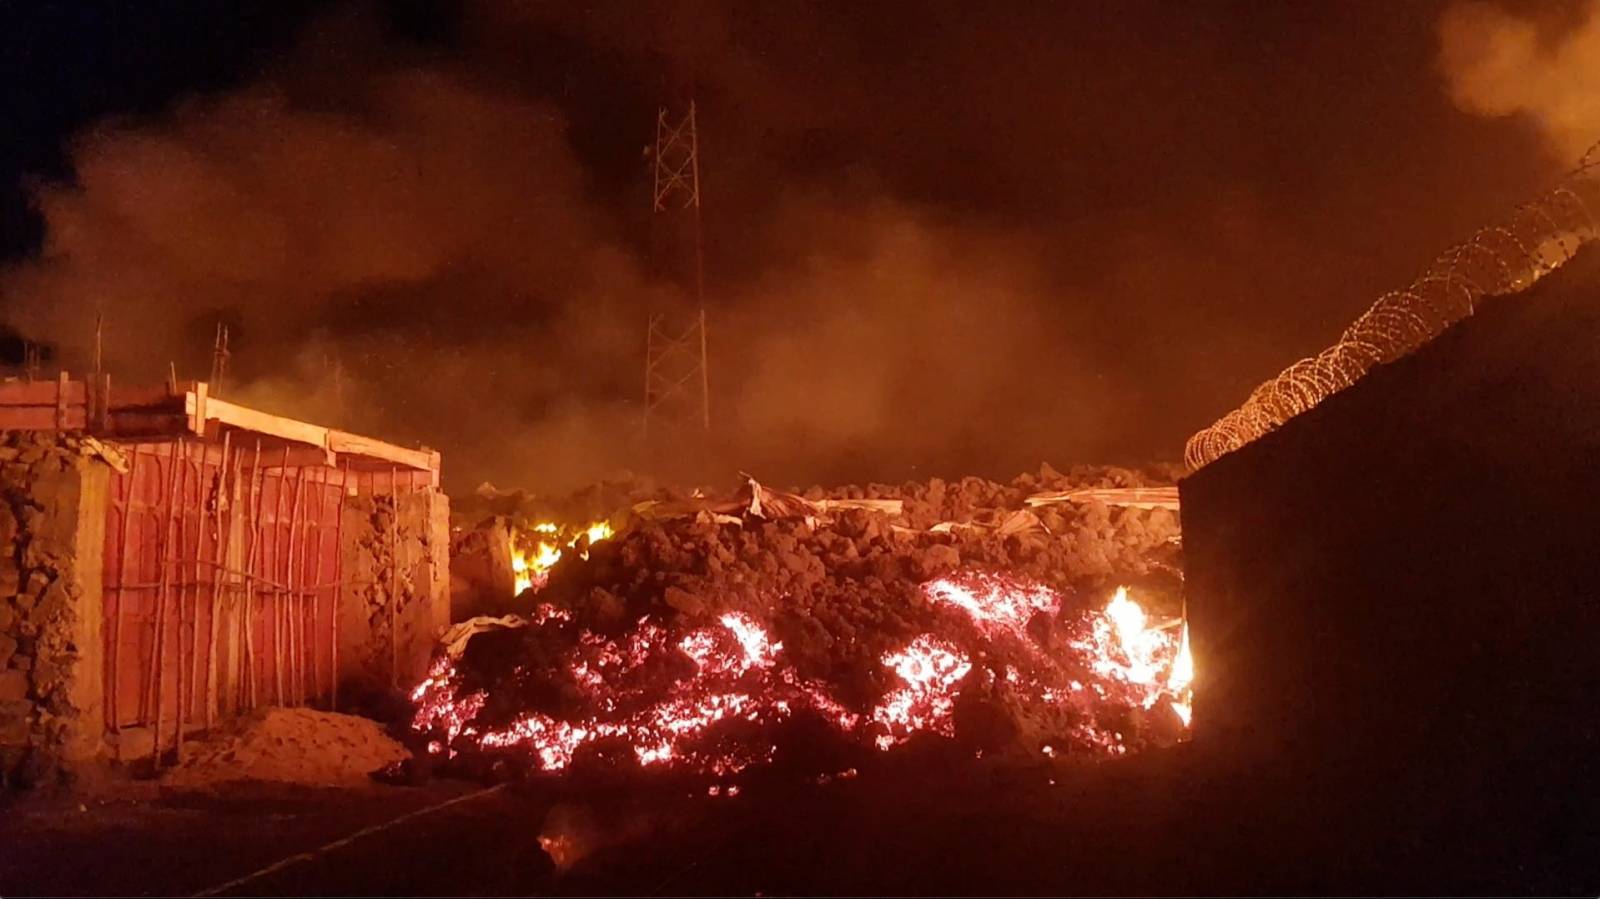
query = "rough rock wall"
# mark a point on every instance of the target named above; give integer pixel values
(52, 520)
(1393, 598)
(396, 559)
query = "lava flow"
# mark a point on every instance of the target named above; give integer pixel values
(706, 697)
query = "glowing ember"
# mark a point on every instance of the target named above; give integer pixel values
(562, 849)
(544, 613)
(707, 710)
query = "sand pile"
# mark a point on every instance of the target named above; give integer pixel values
(299, 746)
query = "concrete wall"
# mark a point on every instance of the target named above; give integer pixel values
(1394, 602)
(52, 520)
(399, 566)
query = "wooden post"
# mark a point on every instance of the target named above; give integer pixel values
(277, 607)
(99, 386)
(187, 590)
(164, 547)
(338, 588)
(219, 551)
(61, 401)
(254, 520)
(238, 586)
(291, 583)
(315, 527)
(102, 405)
(114, 657)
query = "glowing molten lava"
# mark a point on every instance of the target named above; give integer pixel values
(705, 697)
(536, 550)
(929, 671)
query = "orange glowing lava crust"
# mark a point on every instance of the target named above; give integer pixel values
(740, 675)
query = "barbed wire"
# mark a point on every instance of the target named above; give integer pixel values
(1535, 239)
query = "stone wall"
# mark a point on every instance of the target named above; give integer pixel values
(52, 520)
(399, 566)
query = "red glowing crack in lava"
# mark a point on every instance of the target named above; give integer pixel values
(740, 675)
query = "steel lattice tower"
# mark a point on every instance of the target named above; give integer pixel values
(676, 385)
(219, 359)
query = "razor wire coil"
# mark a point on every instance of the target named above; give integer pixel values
(1535, 239)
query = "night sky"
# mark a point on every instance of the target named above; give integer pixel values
(941, 238)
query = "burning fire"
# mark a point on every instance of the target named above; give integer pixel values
(1180, 679)
(726, 682)
(535, 551)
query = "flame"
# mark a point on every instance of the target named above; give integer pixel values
(1111, 658)
(1181, 678)
(1136, 661)
(1139, 644)
(533, 557)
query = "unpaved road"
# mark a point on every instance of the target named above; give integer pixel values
(1154, 825)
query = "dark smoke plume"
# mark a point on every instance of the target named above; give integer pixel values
(953, 243)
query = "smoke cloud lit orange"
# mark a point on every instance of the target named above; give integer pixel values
(1501, 64)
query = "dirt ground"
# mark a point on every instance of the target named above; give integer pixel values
(142, 839)
(644, 839)
(926, 826)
